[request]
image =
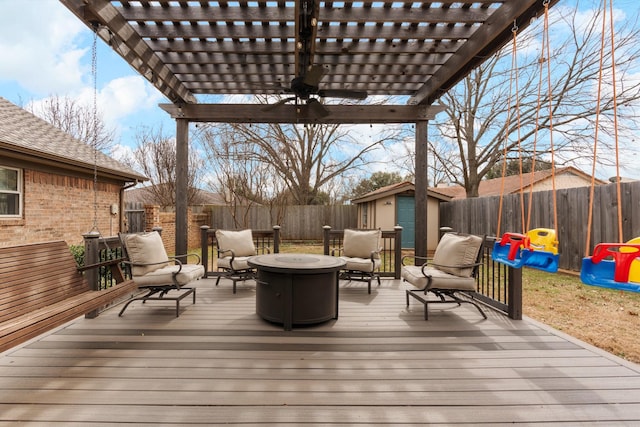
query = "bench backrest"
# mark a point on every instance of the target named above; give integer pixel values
(36, 275)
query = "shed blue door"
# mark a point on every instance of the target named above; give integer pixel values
(406, 215)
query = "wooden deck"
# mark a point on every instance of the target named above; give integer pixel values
(378, 364)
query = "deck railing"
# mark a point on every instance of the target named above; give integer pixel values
(98, 249)
(499, 285)
(265, 241)
(390, 254)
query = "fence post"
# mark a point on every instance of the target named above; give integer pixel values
(204, 248)
(515, 293)
(397, 250)
(325, 238)
(92, 256)
(276, 239)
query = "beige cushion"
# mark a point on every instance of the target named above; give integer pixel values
(241, 242)
(143, 248)
(360, 244)
(239, 263)
(361, 264)
(456, 250)
(439, 279)
(188, 273)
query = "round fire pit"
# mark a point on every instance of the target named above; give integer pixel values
(296, 289)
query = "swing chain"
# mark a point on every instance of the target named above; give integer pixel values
(94, 137)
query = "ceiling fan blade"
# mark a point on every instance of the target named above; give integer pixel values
(314, 74)
(343, 93)
(316, 108)
(270, 107)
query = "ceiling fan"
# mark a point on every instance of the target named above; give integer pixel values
(306, 87)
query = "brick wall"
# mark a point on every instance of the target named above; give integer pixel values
(167, 220)
(59, 207)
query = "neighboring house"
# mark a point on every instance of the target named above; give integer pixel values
(47, 183)
(395, 205)
(566, 177)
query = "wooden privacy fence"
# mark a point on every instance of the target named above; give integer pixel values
(298, 222)
(480, 216)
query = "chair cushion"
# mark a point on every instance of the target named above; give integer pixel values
(143, 248)
(239, 263)
(361, 264)
(439, 279)
(455, 250)
(189, 273)
(360, 243)
(241, 242)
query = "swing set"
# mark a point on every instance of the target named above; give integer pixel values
(536, 248)
(611, 265)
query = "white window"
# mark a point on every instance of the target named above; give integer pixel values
(10, 192)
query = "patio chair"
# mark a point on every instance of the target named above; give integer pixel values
(451, 272)
(361, 252)
(234, 249)
(163, 277)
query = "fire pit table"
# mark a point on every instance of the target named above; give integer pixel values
(296, 289)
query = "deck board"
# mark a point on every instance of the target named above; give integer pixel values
(379, 363)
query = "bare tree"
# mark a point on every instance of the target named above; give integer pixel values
(77, 120)
(485, 114)
(155, 156)
(298, 162)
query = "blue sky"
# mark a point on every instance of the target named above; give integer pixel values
(46, 51)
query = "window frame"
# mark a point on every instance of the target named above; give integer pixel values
(19, 192)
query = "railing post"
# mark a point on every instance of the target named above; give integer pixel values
(204, 248)
(515, 293)
(325, 238)
(276, 239)
(92, 256)
(397, 250)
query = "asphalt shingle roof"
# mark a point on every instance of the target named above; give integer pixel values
(23, 132)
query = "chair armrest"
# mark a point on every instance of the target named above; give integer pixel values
(224, 251)
(415, 258)
(138, 264)
(187, 256)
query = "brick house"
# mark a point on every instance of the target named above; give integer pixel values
(47, 183)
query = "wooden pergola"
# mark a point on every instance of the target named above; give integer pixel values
(306, 50)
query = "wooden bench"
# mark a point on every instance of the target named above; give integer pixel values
(41, 288)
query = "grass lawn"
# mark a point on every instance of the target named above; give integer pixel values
(606, 318)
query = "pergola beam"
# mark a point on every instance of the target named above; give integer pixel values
(338, 114)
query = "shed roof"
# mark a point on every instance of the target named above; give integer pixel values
(28, 137)
(397, 188)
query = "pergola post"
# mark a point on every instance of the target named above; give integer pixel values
(422, 183)
(182, 184)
